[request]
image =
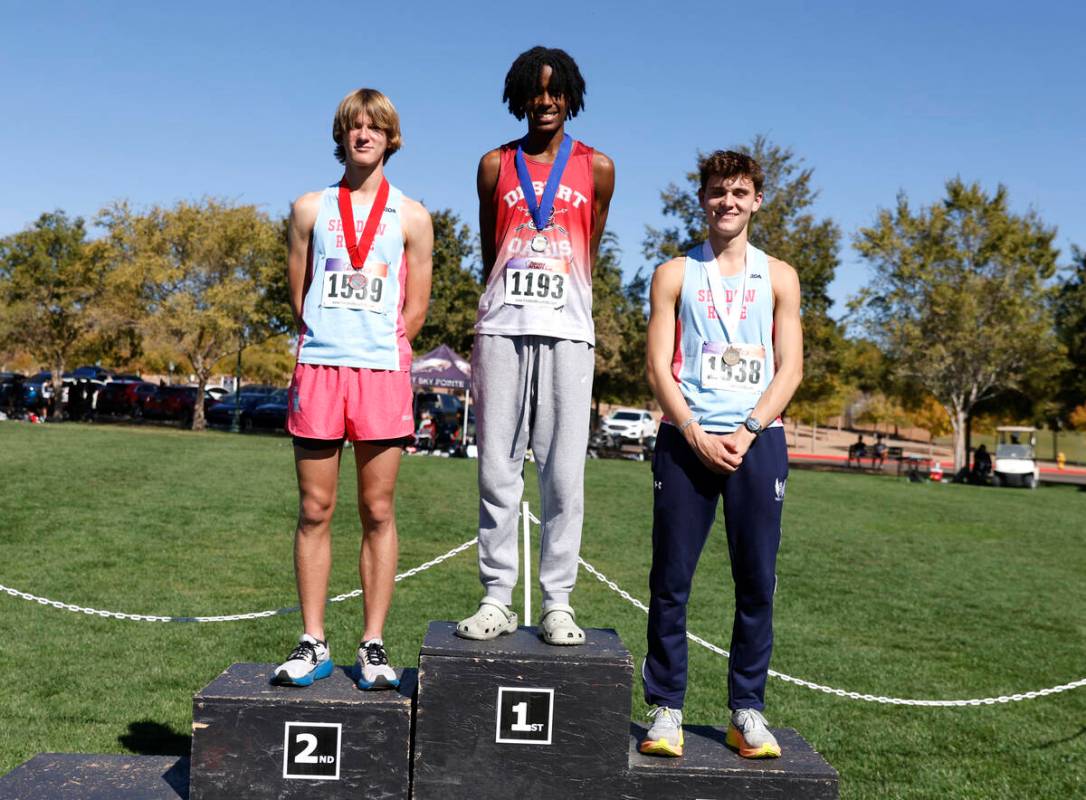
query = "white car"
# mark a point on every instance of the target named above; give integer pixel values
(1015, 464)
(630, 423)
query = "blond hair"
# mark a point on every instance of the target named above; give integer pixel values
(381, 113)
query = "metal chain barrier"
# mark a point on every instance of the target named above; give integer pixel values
(94, 612)
(870, 698)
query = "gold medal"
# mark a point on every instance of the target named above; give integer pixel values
(730, 357)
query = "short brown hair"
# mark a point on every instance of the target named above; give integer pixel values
(378, 108)
(730, 164)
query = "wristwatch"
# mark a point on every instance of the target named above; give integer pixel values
(753, 425)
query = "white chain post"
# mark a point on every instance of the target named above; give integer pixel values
(526, 518)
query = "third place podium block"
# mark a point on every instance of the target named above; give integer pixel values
(254, 740)
(516, 718)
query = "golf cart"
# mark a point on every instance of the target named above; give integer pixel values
(1015, 464)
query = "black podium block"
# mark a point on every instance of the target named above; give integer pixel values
(517, 718)
(73, 776)
(254, 740)
(709, 769)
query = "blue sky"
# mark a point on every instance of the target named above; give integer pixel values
(158, 102)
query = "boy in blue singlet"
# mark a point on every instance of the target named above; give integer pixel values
(725, 355)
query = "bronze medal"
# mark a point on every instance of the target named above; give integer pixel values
(357, 281)
(730, 357)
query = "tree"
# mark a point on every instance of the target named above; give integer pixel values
(52, 284)
(958, 298)
(201, 271)
(785, 228)
(454, 293)
(1069, 307)
(618, 312)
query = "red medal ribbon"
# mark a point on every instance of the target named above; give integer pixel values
(358, 250)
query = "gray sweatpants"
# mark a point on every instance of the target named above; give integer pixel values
(531, 391)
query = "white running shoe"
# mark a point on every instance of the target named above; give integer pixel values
(308, 662)
(749, 733)
(371, 669)
(665, 737)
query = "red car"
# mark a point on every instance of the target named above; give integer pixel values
(124, 398)
(174, 403)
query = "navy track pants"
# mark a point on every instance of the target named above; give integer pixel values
(685, 499)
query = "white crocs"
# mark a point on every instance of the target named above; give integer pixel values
(491, 620)
(558, 627)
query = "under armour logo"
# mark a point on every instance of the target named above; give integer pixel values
(778, 488)
(657, 484)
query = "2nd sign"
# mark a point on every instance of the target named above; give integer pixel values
(525, 716)
(311, 750)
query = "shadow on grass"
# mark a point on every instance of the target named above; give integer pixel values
(149, 738)
(1041, 746)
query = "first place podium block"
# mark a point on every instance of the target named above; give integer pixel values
(517, 718)
(251, 739)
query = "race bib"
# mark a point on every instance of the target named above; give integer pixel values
(732, 367)
(536, 281)
(347, 287)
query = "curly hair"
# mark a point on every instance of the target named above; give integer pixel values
(522, 80)
(730, 164)
(378, 108)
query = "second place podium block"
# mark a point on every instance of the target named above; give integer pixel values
(516, 718)
(254, 740)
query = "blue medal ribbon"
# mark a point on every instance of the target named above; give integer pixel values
(541, 210)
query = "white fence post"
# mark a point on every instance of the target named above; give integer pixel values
(526, 519)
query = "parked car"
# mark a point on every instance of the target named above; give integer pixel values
(11, 392)
(124, 397)
(272, 414)
(445, 409)
(222, 414)
(174, 403)
(629, 423)
(91, 373)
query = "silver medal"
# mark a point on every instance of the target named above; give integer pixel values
(357, 281)
(539, 243)
(730, 357)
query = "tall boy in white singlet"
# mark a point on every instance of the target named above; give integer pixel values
(725, 355)
(359, 269)
(543, 203)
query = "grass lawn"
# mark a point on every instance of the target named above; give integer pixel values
(923, 591)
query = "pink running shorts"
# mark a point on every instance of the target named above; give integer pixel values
(327, 402)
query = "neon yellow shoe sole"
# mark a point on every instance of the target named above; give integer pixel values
(662, 747)
(735, 739)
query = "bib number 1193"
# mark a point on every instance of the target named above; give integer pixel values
(536, 282)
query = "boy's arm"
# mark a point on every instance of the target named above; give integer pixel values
(419, 249)
(486, 181)
(303, 216)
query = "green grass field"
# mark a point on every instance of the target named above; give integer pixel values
(889, 588)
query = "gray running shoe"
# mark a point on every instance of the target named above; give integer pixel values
(309, 661)
(749, 733)
(371, 669)
(665, 737)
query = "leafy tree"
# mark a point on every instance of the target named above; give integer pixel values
(454, 294)
(618, 312)
(52, 286)
(1070, 313)
(201, 271)
(784, 227)
(958, 299)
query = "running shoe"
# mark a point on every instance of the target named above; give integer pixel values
(665, 737)
(371, 669)
(308, 662)
(749, 733)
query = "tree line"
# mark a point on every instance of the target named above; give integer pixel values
(967, 314)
